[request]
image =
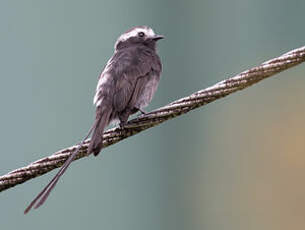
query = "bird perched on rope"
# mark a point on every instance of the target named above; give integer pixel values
(126, 85)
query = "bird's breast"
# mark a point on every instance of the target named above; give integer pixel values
(148, 90)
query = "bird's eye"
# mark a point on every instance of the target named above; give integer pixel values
(141, 34)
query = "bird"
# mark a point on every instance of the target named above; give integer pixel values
(126, 86)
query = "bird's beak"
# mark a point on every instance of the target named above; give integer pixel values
(157, 37)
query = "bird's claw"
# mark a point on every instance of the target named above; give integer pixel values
(143, 112)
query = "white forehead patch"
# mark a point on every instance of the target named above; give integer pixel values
(134, 32)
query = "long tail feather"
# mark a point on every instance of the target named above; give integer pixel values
(43, 195)
(96, 143)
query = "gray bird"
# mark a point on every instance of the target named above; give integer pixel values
(126, 86)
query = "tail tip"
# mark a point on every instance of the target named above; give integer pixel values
(95, 153)
(95, 150)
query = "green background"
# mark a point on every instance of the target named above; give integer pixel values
(238, 163)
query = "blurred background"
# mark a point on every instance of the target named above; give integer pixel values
(238, 163)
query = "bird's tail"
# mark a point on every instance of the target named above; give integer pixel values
(43, 195)
(102, 120)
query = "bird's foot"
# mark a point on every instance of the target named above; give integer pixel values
(143, 112)
(122, 124)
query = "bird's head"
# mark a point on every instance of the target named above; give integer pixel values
(138, 35)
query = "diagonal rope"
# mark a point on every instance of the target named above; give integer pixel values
(176, 108)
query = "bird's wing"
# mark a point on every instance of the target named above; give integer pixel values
(129, 67)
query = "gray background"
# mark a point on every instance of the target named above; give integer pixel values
(238, 163)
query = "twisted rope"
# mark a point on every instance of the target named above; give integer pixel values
(176, 108)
